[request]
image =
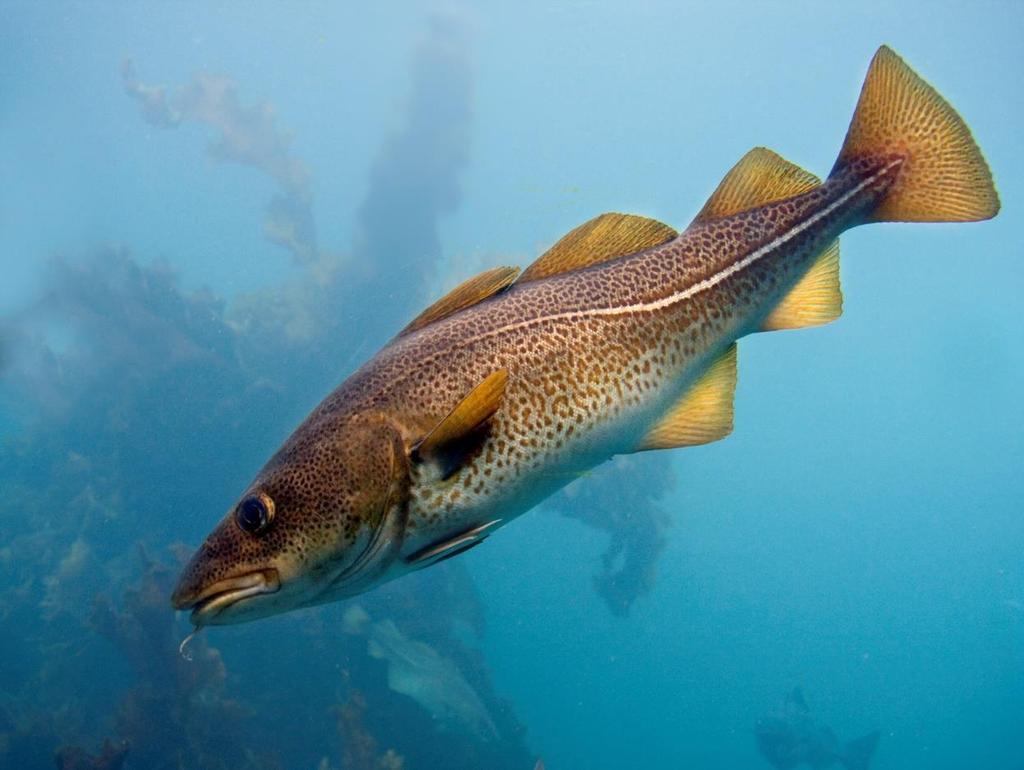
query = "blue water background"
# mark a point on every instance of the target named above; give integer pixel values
(861, 532)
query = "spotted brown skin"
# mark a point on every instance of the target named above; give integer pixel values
(587, 378)
(333, 485)
(590, 359)
(585, 385)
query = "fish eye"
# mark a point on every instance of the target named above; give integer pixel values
(255, 513)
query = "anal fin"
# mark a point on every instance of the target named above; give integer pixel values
(816, 299)
(704, 414)
(452, 546)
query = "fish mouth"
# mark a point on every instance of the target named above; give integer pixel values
(213, 600)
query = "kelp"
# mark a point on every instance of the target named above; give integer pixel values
(359, 748)
(245, 134)
(633, 516)
(178, 712)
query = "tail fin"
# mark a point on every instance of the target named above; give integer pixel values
(944, 177)
(859, 752)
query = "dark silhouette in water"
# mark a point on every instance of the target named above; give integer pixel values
(790, 738)
(623, 499)
(420, 185)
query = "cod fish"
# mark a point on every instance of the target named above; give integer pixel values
(791, 738)
(419, 671)
(621, 338)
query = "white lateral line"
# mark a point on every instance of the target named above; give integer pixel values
(711, 281)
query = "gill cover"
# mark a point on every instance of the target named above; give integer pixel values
(339, 491)
(377, 467)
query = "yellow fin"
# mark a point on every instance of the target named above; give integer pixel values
(761, 176)
(603, 238)
(704, 414)
(446, 442)
(944, 177)
(816, 299)
(467, 293)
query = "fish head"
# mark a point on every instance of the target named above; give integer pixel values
(324, 519)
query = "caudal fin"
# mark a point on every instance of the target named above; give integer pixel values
(859, 752)
(943, 176)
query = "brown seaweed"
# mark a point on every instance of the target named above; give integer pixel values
(178, 713)
(631, 513)
(247, 135)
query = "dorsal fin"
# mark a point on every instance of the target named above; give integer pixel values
(816, 299)
(760, 177)
(704, 414)
(605, 237)
(797, 701)
(451, 440)
(467, 293)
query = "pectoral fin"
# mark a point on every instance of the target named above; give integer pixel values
(815, 300)
(452, 546)
(704, 414)
(603, 238)
(460, 433)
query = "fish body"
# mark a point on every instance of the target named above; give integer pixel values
(791, 738)
(619, 339)
(434, 681)
(594, 357)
